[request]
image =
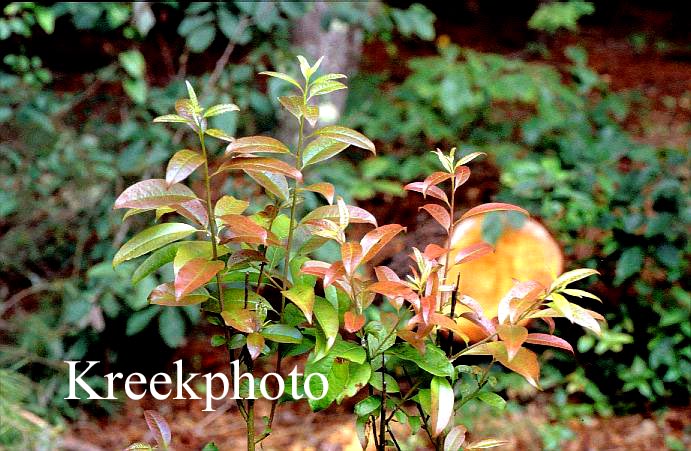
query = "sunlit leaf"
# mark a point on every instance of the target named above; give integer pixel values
(439, 214)
(468, 158)
(434, 179)
(572, 276)
(580, 293)
(275, 184)
(181, 165)
(524, 362)
(527, 290)
(462, 175)
(391, 384)
(447, 323)
(252, 144)
(356, 214)
(154, 261)
(228, 205)
(194, 274)
(434, 361)
(324, 188)
(327, 318)
(375, 240)
(486, 443)
(326, 77)
(351, 255)
(164, 294)
(219, 134)
(220, 109)
(153, 193)
(294, 104)
(433, 191)
(472, 252)
(158, 427)
(549, 340)
(192, 95)
(303, 297)
(151, 239)
(325, 87)
(455, 438)
(441, 404)
(195, 249)
(244, 320)
(170, 118)
(353, 322)
(194, 210)
(321, 149)
(346, 136)
(284, 77)
(241, 229)
(260, 164)
(311, 113)
(496, 206)
(513, 337)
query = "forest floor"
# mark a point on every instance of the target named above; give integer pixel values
(662, 76)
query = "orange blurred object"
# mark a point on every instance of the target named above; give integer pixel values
(527, 253)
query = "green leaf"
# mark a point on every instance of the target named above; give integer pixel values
(218, 340)
(492, 399)
(133, 63)
(211, 446)
(157, 259)
(153, 193)
(228, 205)
(275, 184)
(294, 104)
(303, 297)
(172, 118)
(45, 18)
(325, 87)
(181, 165)
(252, 144)
(321, 149)
(346, 135)
(220, 109)
(630, 262)
(358, 377)
(219, 134)
(367, 406)
(570, 277)
(195, 249)
(327, 318)
(391, 385)
(441, 404)
(349, 351)
(201, 38)
(282, 333)
(139, 320)
(151, 239)
(434, 361)
(284, 77)
(171, 325)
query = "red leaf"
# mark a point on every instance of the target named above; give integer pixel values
(194, 274)
(434, 251)
(255, 344)
(416, 341)
(439, 213)
(164, 294)
(182, 164)
(384, 273)
(241, 229)
(549, 340)
(315, 268)
(495, 206)
(445, 322)
(153, 193)
(251, 144)
(194, 210)
(376, 239)
(513, 338)
(333, 273)
(261, 164)
(528, 290)
(325, 189)
(432, 191)
(351, 254)
(462, 175)
(353, 322)
(473, 252)
(391, 289)
(434, 179)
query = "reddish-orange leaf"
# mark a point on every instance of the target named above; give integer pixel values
(494, 206)
(385, 273)
(428, 304)
(244, 320)
(255, 344)
(434, 179)
(164, 294)
(549, 340)
(416, 341)
(243, 256)
(324, 188)
(528, 290)
(243, 230)
(334, 272)
(261, 164)
(251, 144)
(315, 268)
(356, 214)
(194, 274)
(473, 252)
(182, 164)
(351, 254)
(524, 363)
(434, 251)
(462, 174)
(445, 322)
(431, 191)
(353, 322)
(513, 338)
(376, 239)
(439, 213)
(194, 210)
(391, 289)
(153, 193)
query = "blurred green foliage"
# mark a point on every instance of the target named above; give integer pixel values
(613, 202)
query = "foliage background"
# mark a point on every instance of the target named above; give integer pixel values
(585, 158)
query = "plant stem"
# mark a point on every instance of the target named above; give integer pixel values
(382, 413)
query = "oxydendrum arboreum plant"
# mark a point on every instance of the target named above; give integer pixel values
(252, 275)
